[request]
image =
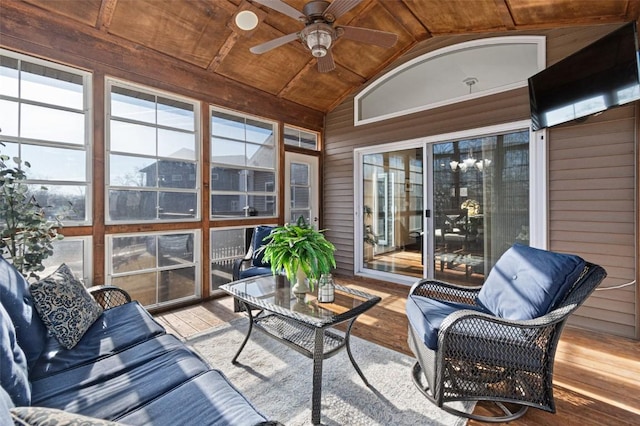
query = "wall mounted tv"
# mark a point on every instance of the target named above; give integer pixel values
(603, 75)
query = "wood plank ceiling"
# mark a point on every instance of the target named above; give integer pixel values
(202, 34)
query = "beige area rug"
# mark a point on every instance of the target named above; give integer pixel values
(277, 380)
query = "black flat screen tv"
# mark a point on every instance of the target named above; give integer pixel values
(603, 75)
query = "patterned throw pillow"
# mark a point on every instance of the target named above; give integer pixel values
(41, 416)
(65, 306)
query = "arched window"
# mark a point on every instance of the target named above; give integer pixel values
(452, 74)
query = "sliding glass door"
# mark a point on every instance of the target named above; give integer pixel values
(445, 209)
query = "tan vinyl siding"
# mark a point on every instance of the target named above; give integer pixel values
(591, 177)
(592, 210)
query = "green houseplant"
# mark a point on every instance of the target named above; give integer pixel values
(299, 247)
(26, 236)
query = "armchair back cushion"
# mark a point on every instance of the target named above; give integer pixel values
(259, 234)
(527, 282)
(30, 331)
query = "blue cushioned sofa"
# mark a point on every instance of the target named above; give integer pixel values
(124, 369)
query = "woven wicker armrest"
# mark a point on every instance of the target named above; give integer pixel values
(441, 290)
(109, 296)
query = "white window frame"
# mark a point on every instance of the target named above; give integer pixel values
(539, 41)
(87, 83)
(538, 197)
(276, 165)
(197, 190)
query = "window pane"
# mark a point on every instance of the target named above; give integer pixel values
(260, 156)
(141, 287)
(227, 245)
(133, 105)
(130, 205)
(9, 114)
(70, 164)
(63, 201)
(259, 181)
(51, 86)
(259, 132)
(70, 251)
(176, 114)
(175, 249)
(227, 125)
(227, 179)
(228, 152)
(176, 284)
(52, 125)
(300, 138)
(132, 171)
(299, 174)
(300, 197)
(9, 76)
(133, 138)
(262, 205)
(176, 174)
(176, 144)
(177, 205)
(133, 253)
(229, 205)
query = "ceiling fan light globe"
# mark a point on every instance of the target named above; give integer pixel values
(318, 41)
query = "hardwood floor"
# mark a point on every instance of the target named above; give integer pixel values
(596, 377)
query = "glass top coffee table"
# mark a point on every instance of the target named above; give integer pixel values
(306, 326)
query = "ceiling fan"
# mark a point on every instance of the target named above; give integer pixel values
(319, 32)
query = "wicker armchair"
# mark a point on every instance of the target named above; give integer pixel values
(478, 356)
(109, 296)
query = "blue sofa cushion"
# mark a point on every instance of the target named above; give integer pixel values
(5, 404)
(13, 364)
(426, 315)
(527, 282)
(65, 306)
(115, 385)
(16, 299)
(257, 241)
(115, 330)
(209, 399)
(42, 416)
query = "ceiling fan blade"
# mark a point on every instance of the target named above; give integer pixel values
(326, 63)
(366, 35)
(337, 8)
(282, 7)
(272, 44)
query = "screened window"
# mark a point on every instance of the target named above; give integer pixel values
(155, 269)
(45, 118)
(243, 166)
(300, 138)
(153, 152)
(75, 252)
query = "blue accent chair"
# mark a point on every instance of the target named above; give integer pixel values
(497, 342)
(253, 264)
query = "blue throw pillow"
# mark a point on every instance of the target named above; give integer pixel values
(527, 282)
(17, 301)
(13, 364)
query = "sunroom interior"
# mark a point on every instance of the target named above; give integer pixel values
(163, 142)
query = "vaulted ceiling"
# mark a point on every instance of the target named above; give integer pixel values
(202, 33)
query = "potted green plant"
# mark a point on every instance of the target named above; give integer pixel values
(295, 248)
(26, 236)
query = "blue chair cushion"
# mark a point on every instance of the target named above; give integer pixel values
(257, 241)
(527, 282)
(13, 364)
(255, 271)
(5, 404)
(115, 330)
(209, 399)
(31, 332)
(426, 315)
